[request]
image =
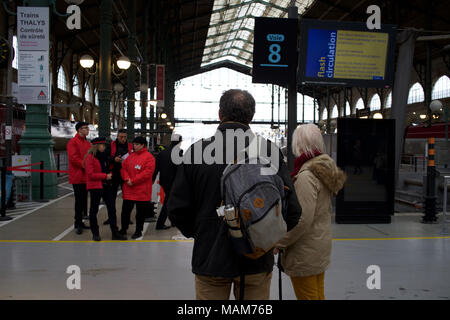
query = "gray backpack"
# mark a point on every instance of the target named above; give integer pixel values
(258, 202)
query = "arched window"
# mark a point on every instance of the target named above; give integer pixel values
(88, 93)
(375, 102)
(416, 94)
(334, 112)
(360, 104)
(324, 114)
(76, 87)
(348, 110)
(388, 101)
(441, 88)
(62, 80)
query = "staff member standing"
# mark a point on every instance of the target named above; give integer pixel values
(137, 171)
(99, 185)
(167, 172)
(77, 148)
(118, 149)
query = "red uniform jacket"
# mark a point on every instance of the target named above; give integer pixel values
(139, 167)
(114, 148)
(94, 174)
(77, 148)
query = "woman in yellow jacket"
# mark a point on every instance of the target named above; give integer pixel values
(306, 249)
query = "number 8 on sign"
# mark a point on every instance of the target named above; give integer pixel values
(274, 56)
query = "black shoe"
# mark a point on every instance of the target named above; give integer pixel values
(106, 222)
(136, 235)
(123, 232)
(119, 236)
(163, 227)
(96, 237)
(79, 230)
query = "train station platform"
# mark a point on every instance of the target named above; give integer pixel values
(39, 244)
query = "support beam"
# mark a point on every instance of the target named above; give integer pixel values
(104, 89)
(131, 86)
(36, 141)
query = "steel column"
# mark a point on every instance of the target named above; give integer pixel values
(104, 88)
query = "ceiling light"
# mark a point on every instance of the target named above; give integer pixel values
(163, 115)
(378, 115)
(123, 63)
(86, 61)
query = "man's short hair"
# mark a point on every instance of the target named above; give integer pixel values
(122, 131)
(80, 124)
(237, 105)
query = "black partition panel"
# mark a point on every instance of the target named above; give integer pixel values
(366, 152)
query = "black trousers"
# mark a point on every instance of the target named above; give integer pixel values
(81, 203)
(116, 184)
(163, 213)
(96, 195)
(127, 207)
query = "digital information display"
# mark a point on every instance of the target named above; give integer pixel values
(347, 54)
(366, 153)
(274, 50)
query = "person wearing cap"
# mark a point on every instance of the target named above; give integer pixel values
(77, 149)
(137, 171)
(99, 185)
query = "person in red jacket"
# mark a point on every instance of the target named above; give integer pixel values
(98, 182)
(77, 149)
(137, 171)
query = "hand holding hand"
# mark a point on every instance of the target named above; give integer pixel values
(118, 159)
(109, 176)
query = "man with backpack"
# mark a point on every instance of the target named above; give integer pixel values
(196, 207)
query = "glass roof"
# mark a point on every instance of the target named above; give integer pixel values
(230, 34)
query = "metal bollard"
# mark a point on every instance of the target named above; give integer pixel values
(41, 178)
(57, 164)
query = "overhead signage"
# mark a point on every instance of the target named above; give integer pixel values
(363, 113)
(33, 28)
(33, 56)
(274, 50)
(160, 79)
(346, 53)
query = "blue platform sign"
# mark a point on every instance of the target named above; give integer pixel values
(274, 50)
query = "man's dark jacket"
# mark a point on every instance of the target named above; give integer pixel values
(166, 168)
(195, 195)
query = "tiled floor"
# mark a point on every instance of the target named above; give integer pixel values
(413, 258)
